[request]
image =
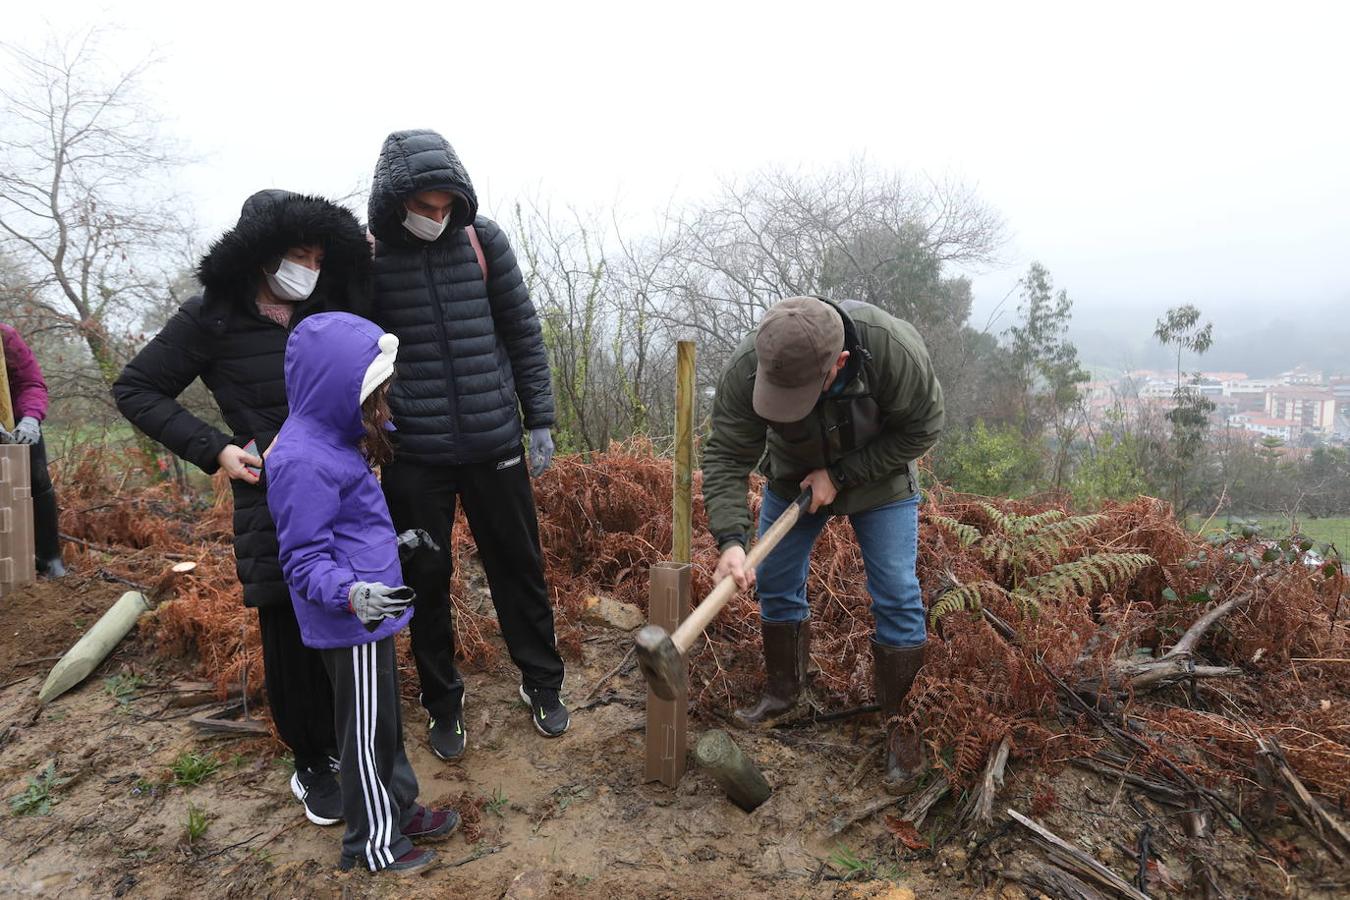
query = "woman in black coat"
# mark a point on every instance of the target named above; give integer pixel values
(289, 256)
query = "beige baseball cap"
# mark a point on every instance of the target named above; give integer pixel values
(797, 345)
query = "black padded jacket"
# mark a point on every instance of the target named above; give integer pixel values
(471, 359)
(221, 338)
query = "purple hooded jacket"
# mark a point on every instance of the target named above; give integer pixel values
(333, 525)
(27, 389)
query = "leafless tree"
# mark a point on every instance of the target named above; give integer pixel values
(84, 210)
(850, 232)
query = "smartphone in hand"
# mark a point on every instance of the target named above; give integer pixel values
(251, 448)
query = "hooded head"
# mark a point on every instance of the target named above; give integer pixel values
(333, 362)
(411, 162)
(272, 222)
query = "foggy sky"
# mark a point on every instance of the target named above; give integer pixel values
(1148, 154)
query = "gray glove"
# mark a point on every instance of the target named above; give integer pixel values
(541, 451)
(373, 601)
(412, 540)
(28, 431)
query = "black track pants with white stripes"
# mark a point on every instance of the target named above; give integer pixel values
(378, 785)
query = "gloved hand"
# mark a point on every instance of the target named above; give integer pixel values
(373, 601)
(541, 451)
(28, 431)
(412, 540)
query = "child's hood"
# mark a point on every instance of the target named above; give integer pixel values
(328, 357)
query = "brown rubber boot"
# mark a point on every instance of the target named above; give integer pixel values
(894, 670)
(786, 647)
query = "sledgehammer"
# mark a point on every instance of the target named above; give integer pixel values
(659, 653)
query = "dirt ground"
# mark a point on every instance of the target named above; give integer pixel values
(562, 818)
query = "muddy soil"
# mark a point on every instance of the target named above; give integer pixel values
(544, 818)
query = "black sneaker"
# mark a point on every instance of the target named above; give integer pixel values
(547, 712)
(446, 736)
(318, 790)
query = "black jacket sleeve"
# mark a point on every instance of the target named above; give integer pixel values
(147, 391)
(518, 324)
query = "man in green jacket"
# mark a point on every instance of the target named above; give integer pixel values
(840, 398)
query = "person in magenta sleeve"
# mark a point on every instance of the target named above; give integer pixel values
(28, 397)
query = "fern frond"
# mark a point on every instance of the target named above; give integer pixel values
(1057, 536)
(1001, 520)
(964, 596)
(1026, 603)
(966, 534)
(1037, 522)
(1104, 570)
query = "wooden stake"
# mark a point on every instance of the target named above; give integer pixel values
(6, 405)
(732, 769)
(683, 507)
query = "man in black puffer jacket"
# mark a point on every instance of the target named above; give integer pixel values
(471, 362)
(233, 337)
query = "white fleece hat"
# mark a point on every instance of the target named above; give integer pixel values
(381, 367)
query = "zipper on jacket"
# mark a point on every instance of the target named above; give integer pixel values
(448, 365)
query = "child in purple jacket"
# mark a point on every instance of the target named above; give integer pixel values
(340, 555)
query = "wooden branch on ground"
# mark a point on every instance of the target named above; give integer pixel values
(604, 678)
(90, 545)
(1161, 791)
(1178, 663)
(1075, 861)
(916, 807)
(223, 721)
(979, 809)
(1051, 882)
(1133, 742)
(1312, 814)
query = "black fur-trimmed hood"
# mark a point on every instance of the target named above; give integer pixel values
(273, 221)
(410, 162)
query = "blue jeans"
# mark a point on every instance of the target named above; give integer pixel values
(889, 539)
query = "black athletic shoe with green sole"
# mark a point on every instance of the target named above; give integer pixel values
(446, 736)
(547, 712)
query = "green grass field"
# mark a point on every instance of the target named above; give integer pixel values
(1330, 530)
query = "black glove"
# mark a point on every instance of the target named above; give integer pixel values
(412, 540)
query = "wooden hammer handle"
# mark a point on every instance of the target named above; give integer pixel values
(717, 598)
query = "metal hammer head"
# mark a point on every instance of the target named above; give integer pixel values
(660, 662)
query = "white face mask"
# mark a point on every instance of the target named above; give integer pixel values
(422, 227)
(292, 281)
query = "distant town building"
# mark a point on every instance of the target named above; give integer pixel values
(1301, 375)
(1312, 408)
(1266, 426)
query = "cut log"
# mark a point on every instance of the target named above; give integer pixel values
(737, 775)
(1076, 862)
(94, 646)
(164, 587)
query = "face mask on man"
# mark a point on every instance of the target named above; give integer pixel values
(423, 227)
(292, 281)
